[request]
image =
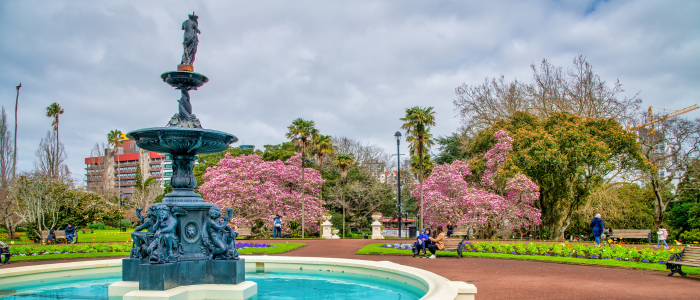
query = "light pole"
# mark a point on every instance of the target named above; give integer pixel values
(398, 159)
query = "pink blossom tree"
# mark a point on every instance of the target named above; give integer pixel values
(450, 195)
(257, 190)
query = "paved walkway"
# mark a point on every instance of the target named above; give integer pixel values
(519, 279)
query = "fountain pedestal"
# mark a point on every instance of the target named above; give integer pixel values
(377, 231)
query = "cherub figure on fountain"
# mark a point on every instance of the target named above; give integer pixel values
(143, 239)
(165, 246)
(218, 239)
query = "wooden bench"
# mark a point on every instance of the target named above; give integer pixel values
(244, 232)
(457, 243)
(631, 234)
(690, 256)
(60, 235)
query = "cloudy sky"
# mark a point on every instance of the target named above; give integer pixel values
(351, 66)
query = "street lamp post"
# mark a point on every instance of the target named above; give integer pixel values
(398, 159)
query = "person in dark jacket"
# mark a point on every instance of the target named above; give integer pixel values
(70, 232)
(450, 229)
(4, 251)
(597, 227)
(51, 238)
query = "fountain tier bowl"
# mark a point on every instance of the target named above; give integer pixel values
(183, 141)
(184, 78)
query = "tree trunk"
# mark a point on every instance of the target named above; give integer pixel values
(303, 152)
(420, 162)
(57, 147)
(10, 230)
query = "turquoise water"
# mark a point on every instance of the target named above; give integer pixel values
(308, 285)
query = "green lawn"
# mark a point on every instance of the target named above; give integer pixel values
(280, 248)
(99, 236)
(377, 249)
(67, 256)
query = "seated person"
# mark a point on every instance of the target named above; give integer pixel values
(70, 232)
(421, 243)
(438, 243)
(4, 251)
(51, 238)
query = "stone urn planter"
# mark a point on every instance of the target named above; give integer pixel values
(335, 234)
(326, 218)
(376, 218)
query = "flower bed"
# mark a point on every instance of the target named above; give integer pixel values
(253, 245)
(65, 249)
(614, 252)
(646, 255)
(398, 246)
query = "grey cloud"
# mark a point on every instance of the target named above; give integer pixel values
(353, 67)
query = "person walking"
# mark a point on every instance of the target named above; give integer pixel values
(662, 235)
(4, 251)
(597, 228)
(277, 233)
(70, 232)
(438, 242)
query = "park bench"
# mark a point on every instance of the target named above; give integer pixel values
(60, 235)
(457, 243)
(632, 234)
(244, 232)
(690, 256)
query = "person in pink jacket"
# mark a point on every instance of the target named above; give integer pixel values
(662, 234)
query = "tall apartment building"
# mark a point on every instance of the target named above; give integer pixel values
(117, 171)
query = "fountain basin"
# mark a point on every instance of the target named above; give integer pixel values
(366, 273)
(182, 141)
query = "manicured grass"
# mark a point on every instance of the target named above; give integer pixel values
(67, 256)
(280, 248)
(377, 249)
(99, 236)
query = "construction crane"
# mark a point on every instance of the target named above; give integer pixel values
(653, 121)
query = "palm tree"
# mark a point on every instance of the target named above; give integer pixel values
(343, 162)
(53, 111)
(418, 121)
(300, 132)
(114, 138)
(321, 145)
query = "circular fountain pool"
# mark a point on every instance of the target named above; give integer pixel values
(286, 284)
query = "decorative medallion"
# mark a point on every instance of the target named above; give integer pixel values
(191, 232)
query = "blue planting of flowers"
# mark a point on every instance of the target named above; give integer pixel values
(252, 245)
(398, 246)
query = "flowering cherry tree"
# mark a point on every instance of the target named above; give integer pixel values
(449, 195)
(257, 190)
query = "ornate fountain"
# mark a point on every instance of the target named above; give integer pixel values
(185, 242)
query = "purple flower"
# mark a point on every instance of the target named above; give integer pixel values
(579, 256)
(662, 262)
(645, 261)
(547, 254)
(618, 258)
(593, 256)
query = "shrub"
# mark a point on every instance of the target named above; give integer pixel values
(97, 226)
(691, 236)
(125, 223)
